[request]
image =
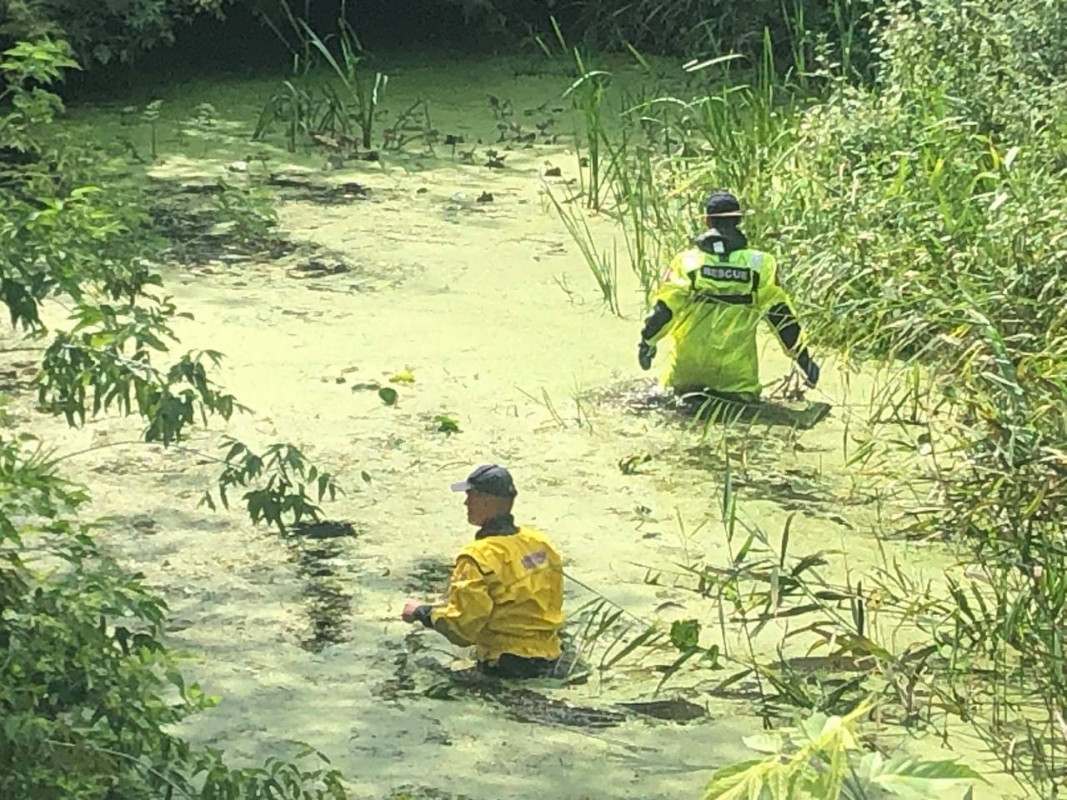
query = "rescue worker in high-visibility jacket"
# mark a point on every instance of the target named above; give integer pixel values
(505, 596)
(714, 296)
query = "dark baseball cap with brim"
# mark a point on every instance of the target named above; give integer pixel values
(488, 479)
(722, 204)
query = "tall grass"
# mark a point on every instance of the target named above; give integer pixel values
(920, 218)
(364, 93)
(603, 265)
(308, 108)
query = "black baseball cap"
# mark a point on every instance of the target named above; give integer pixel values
(722, 204)
(488, 479)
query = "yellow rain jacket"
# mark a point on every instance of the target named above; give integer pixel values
(505, 596)
(715, 306)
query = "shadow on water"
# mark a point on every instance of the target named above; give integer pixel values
(418, 672)
(708, 407)
(711, 409)
(428, 576)
(318, 548)
(188, 215)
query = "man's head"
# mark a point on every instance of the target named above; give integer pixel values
(490, 493)
(722, 210)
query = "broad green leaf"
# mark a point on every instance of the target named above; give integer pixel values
(914, 779)
(765, 742)
(685, 634)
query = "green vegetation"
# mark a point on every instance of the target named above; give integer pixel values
(116, 31)
(811, 762)
(907, 161)
(312, 109)
(921, 215)
(88, 691)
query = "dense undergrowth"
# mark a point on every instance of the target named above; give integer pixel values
(921, 219)
(88, 691)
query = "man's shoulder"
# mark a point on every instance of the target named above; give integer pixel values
(689, 259)
(754, 258)
(538, 540)
(532, 533)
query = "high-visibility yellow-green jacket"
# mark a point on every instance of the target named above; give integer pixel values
(716, 303)
(505, 596)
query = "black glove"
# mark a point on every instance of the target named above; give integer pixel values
(809, 368)
(645, 353)
(422, 614)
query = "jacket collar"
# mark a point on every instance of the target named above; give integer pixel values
(504, 525)
(729, 238)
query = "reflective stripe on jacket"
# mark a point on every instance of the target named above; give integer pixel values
(715, 306)
(506, 596)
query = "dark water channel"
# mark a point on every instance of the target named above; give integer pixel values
(318, 550)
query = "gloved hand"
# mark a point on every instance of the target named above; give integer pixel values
(809, 368)
(645, 353)
(414, 611)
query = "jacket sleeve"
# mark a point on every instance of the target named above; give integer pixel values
(668, 302)
(469, 604)
(775, 304)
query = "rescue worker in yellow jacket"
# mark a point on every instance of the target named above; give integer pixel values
(713, 298)
(505, 596)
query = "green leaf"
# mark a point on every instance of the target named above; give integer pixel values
(914, 779)
(735, 780)
(388, 395)
(446, 424)
(685, 634)
(765, 742)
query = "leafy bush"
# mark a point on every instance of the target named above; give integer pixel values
(87, 688)
(817, 761)
(119, 30)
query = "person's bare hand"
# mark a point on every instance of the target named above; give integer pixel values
(409, 610)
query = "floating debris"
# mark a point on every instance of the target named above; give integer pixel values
(322, 529)
(317, 268)
(319, 191)
(676, 710)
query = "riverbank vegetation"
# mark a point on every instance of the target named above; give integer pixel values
(915, 194)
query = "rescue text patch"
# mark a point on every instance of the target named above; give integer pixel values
(720, 273)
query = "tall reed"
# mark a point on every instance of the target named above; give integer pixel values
(920, 218)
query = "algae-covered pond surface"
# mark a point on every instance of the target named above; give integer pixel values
(404, 273)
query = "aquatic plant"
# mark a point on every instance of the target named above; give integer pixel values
(151, 114)
(603, 266)
(302, 113)
(308, 108)
(587, 92)
(413, 124)
(364, 94)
